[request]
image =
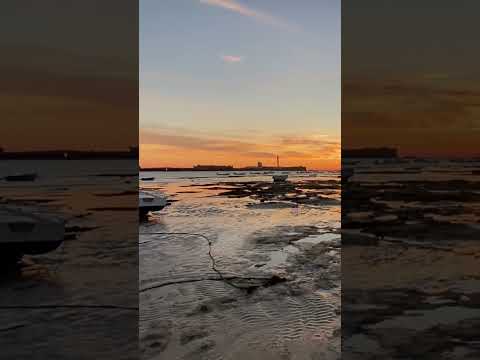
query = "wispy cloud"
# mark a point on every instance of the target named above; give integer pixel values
(231, 58)
(234, 6)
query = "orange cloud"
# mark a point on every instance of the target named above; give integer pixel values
(417, 115)
(66, 101)
(167, 147)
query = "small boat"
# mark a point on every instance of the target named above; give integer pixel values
(27, 230)
(21, 177)
(147, 178)
(223, 173)
(280, 177)
(347, 173)
(149, 201)
(239, 173)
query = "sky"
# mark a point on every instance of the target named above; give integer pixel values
(66, 85)
(234, 82)
(410, 76)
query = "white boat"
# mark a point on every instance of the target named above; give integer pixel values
(150, 201)
(280, 177)
(28, 230)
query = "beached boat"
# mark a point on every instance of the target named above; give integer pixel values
(26, 230)
(21, 177)
(347, 173)
(149, 201)
(280, 177)
(239, 173)
(147, 178)
(223, 173)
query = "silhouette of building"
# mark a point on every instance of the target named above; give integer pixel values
(213, 167)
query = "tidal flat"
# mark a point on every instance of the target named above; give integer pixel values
(411, 260)
(242, 268)
(79, 301)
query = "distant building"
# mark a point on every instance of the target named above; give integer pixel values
(213, 167)
(259, 164)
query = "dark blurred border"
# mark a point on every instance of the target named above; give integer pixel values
(410, 178)
(69, 108)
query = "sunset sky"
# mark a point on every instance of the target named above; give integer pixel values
(235, 82)
(414, 84)
(66, 85)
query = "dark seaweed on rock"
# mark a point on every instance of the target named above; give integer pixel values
(283, 235)
(410, 257)
(303, 192)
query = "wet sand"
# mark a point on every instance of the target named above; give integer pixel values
(410, 260)
(269, 290)
(81, 300)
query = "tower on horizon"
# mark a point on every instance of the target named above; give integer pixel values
(278, 161)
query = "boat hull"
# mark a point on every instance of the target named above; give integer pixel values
(144, 211)
(28, 231)
(149, 202)
(15, 250)
(280, 178)
(23, 177)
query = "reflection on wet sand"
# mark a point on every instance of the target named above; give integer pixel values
(63, 303)
(266, 282)
(410, 260)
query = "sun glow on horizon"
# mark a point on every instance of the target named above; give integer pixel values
(177, 148)
(260, 84)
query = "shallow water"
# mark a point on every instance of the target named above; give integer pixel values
(79, 301)
(187, 312)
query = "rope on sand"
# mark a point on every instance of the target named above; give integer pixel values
(267, 281)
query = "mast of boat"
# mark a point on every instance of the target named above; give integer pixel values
(278, 161)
